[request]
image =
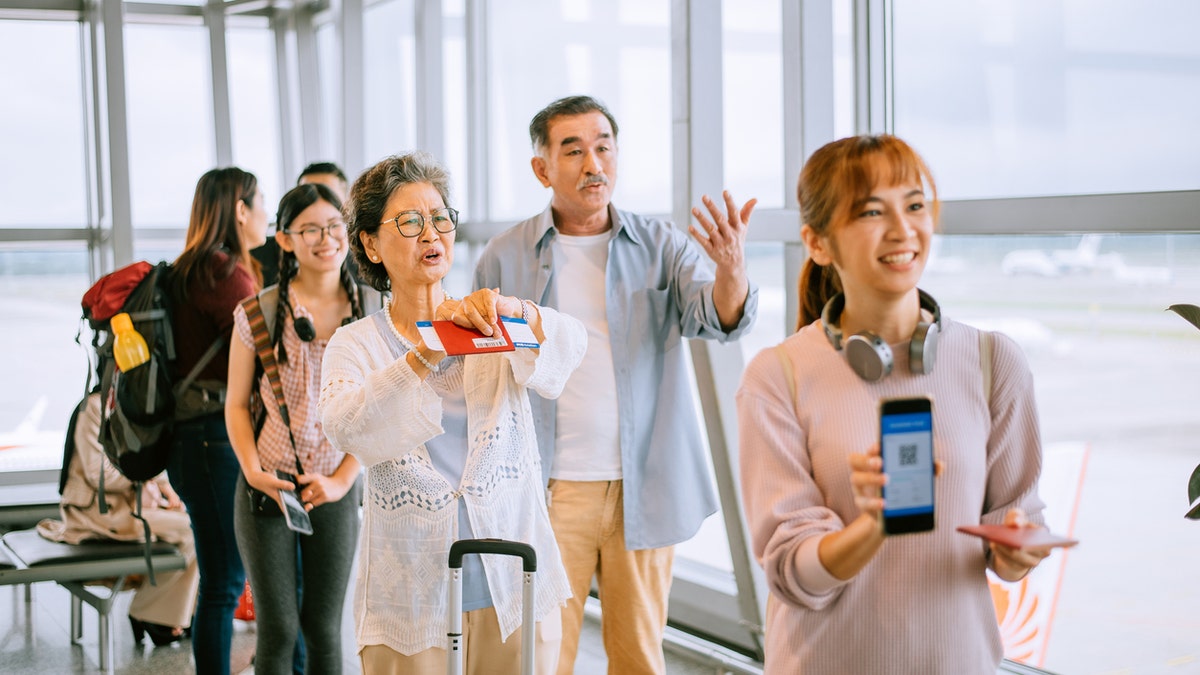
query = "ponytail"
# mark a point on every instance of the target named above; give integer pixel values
(818, 283)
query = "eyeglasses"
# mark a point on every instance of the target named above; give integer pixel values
(412, 223)
(315, 235)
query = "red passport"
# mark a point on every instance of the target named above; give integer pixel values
(1018, 537)
(458, 340)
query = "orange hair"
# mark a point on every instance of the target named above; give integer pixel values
(834, 182)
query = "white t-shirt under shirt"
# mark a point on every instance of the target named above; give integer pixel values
(587, 440)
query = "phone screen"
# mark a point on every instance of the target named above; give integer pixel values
(293, 510)
(906, 444)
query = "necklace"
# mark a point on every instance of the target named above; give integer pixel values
(405, 342)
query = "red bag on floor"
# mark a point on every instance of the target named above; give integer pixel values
(245, 606)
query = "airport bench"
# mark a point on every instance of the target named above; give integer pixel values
(25, 505)
(27, 558)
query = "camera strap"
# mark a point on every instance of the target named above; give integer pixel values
(266, 356)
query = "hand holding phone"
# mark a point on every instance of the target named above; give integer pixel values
(293, 509)
(906, 446)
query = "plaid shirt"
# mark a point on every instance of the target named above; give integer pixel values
(301, 377)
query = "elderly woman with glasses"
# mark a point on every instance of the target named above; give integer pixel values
(448, 441)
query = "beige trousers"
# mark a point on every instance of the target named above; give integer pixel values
(589, 524)
(173, 601)
(483, 652)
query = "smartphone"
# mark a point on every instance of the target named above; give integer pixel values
(293, 509)
(906, 444)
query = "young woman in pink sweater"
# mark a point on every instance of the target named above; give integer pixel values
(844, 596)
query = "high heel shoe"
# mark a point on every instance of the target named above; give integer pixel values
(160, 635)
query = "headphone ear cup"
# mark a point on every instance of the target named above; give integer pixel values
(304, 328)
(869, 356)
(922, 350)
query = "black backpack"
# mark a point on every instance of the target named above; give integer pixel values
(138, 408)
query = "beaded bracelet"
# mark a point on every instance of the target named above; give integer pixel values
(525, 311)
(417, 353)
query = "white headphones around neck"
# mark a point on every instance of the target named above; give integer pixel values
(869, 355)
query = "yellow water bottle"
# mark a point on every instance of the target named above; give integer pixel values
(129, 347)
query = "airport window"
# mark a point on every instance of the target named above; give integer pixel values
(170, 113)
(254, 108)
(44, 182)
(618, 52)
(1045, 98)
(389, 65)
(753, 101)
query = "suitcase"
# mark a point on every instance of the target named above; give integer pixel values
(528, 556)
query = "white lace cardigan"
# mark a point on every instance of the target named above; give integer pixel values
(374, 407)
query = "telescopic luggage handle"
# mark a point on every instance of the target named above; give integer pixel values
(499, 547)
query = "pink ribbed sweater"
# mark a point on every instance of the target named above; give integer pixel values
(921, 605)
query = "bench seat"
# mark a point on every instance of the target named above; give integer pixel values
(26, 558)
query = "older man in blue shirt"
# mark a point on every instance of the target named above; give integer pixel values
(621, 449)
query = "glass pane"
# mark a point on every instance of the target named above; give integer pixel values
(621, 57)
(254, 108)
(454, 93)
(753, 110)
(40, 289)
(171, 141)
(1040, 98)
(328, 58)
(390, 77)
(43, 181)
(1118, 394)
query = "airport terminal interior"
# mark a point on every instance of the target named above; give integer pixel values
(1062, 135)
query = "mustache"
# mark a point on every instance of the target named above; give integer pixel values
(595, 179)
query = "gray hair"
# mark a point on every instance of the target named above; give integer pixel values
(369, 196)
(539, 128)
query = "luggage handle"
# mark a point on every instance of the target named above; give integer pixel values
(498, 546)
(528, 558)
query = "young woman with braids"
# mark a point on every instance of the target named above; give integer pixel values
(316, 295)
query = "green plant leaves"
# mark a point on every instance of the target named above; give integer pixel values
(1189, 312)
(1193, 494)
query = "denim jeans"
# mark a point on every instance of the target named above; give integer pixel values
(204, 471)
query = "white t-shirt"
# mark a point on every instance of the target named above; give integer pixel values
(587, 440)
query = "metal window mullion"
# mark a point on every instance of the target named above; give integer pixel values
(478, 150)
(308, 80)
(350, 32)
(697, 94)
(282, 21)
(430, 103)
(214, 21)
(873, 74)
(92, 133)
(111, 18)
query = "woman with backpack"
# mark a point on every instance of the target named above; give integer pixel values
(315, 295)
(213, 274)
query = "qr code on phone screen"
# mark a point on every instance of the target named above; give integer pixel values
(908, 454)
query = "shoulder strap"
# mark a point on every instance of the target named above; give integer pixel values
(788, 374)
(268, 299)
(266, 356)
(985, 364)
(369, 299)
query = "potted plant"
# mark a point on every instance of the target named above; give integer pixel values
(1191, 314)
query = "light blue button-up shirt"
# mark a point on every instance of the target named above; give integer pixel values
(658, 290)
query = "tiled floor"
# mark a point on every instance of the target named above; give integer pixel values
(35, 638)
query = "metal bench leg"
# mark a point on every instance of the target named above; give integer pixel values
(76, 619)
(106, 644)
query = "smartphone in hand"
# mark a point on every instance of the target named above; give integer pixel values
(293, 509)
(906, 445)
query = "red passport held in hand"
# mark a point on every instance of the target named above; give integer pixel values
(1018, 537)
(458, 340)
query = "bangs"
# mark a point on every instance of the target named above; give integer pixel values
(884, 161)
